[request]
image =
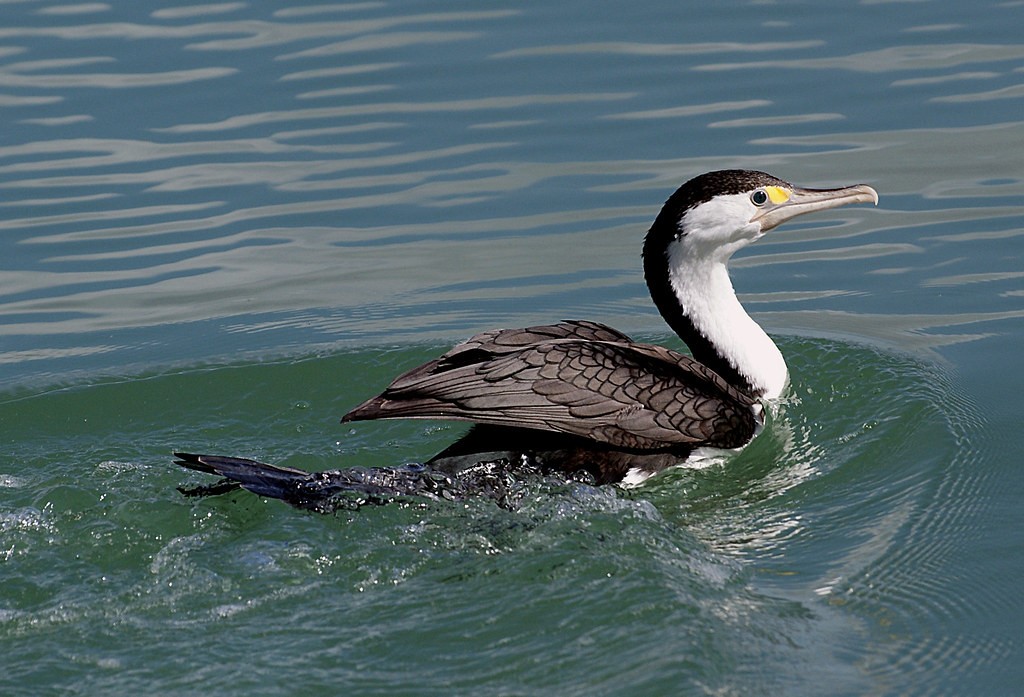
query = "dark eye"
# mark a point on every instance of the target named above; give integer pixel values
(759, 197)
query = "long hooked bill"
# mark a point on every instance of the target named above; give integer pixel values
(796, 201)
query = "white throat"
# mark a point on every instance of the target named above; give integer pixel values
(702, 285)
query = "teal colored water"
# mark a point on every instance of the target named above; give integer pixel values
(222, 226)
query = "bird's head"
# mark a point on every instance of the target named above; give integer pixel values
(715, 214)
(685, 255)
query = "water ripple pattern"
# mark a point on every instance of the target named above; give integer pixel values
(217, 169)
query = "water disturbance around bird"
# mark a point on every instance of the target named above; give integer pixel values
(784, 546)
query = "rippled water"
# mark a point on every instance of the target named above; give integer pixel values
(223, 225)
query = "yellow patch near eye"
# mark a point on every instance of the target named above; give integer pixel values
(777, 194)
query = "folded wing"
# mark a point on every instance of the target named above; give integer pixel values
(579, 378)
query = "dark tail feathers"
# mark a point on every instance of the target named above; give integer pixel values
(326, 492)
(259, 478)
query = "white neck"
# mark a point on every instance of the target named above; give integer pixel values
(706, 295)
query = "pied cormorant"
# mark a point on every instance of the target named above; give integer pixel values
(579, 396)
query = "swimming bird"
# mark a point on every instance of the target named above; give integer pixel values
(579, 396)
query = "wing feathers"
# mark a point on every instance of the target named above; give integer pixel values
(580, 378)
